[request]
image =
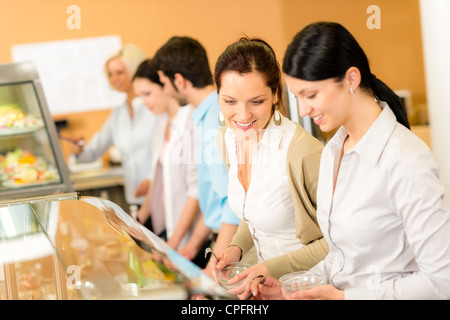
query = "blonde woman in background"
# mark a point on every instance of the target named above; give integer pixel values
(129, 127)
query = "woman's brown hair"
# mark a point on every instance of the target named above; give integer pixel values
(249, 55)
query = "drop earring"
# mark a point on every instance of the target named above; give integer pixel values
(275, 113)
(351, 90)
(221, 120)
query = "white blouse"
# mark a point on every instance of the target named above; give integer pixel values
(133, 138)
(387, 229)
(267, 207)
(179, 169)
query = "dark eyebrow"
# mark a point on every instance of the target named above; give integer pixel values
(260, 96)
(306, 89)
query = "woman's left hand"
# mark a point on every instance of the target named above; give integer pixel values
(324, 292)
(252, 277)
(269, 290)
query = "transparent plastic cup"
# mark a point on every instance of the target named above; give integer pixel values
(301, 280)
(228, 272)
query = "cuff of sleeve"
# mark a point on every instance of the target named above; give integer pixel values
(229, 217)
(192, 193)
(240, 245)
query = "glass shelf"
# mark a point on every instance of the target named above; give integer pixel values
(31, 161)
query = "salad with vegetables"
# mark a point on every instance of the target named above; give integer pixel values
(13, 117)
(20, 167)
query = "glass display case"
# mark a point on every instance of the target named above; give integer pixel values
(31, 161)
(70, 247)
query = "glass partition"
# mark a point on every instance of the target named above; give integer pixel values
(71, 247)
(31, 161)
(26, 155)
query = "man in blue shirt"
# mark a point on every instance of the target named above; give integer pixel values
(183, 69)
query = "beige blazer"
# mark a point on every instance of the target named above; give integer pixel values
(303, 162)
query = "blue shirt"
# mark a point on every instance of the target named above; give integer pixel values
(212, 173)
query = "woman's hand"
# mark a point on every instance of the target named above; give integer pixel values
(270, 290)
(324, 292)
(210, 268)
(143, 214)
(172, 243)
(252, 278)
(231, 254)
(77, 144)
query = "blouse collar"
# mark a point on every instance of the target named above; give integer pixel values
(373, 142)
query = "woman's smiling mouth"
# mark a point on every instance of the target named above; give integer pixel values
(244, 125)
(317, 119)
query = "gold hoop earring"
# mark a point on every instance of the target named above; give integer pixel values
(275, 113)
(221, 120)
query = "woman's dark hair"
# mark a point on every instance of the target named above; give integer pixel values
(146, 70)
(248, 55)
(326, 50)
(187, 57)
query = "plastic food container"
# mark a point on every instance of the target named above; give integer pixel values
(301, 280)
(228, 272)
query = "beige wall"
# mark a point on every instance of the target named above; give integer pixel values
(395, 50)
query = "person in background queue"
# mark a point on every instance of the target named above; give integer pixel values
(380, 199)
(171, 207)
(274, 167)
(183, 68)
(129, 127)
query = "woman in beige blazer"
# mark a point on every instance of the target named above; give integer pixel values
(273, 167)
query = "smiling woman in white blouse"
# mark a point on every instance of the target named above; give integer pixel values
(380, 199)
(273, 167)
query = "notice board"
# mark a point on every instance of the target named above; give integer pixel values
(72, 72)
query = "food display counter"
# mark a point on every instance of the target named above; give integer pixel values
(31, 161)
(106, 182)
(66, 246)
(98, 178)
